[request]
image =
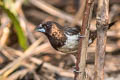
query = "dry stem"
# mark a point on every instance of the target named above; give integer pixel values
(83, 45)
(102, 25)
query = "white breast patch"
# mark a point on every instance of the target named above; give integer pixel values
(71, 43)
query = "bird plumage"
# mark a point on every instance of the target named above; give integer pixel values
(54, 32)
(64, 39)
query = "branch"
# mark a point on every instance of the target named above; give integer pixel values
(102, 26)
(83, 45)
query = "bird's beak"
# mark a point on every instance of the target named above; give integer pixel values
(37, 29)
(40, 28)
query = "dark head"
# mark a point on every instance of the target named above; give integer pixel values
(45, 27)
(54, 32)
(50, 28)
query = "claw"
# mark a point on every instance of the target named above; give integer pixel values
(76, 71)
(82, 36)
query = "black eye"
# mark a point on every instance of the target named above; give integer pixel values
(40, 25)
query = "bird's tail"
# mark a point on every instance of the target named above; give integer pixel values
(93, 34)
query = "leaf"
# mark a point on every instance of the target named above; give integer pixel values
(20, 34)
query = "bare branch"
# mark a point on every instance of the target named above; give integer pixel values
(102, 25)
(83, 45)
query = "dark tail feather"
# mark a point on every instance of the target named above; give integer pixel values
(93, 34)
(111, 24)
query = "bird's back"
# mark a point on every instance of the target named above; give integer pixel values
(72, 38)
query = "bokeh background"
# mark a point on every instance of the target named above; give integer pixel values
(27, 55)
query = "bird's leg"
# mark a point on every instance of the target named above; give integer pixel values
(82, 36)
(75, 70)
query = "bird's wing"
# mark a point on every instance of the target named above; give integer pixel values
(72, 30)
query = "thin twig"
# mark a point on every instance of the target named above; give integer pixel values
(82, 50)
(16, 63)
(52, 10)
(17, 74)
(5, 33)
(39, 61)
(79, 14)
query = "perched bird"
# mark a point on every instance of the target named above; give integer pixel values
(64, 39)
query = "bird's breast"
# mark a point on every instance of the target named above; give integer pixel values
(71, 44)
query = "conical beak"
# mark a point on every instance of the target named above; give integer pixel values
(37, 29)
(40, 29)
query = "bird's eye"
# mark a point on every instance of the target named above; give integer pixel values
(48, 25)
(40, 28)
(40, 25)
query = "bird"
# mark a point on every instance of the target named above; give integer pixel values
(65, 39)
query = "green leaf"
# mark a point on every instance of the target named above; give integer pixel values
(21, 37)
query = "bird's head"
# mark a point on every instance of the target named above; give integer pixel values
(50, 28)
(54, 32)
(45, 27)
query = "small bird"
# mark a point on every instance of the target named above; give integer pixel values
(64, 39)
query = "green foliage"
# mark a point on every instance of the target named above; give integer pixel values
(21, 37)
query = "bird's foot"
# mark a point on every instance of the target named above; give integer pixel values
(75, 70)
(82, 36)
